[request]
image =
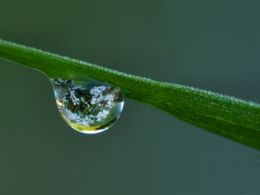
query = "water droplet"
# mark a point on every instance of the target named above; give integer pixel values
(90, 107)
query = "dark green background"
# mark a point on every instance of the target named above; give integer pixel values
(208, 44)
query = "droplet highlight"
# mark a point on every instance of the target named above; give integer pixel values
(90, 107)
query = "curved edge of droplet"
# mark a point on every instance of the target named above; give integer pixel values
(92, 132)
(98, 131)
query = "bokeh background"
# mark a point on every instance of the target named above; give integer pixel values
(212, 45)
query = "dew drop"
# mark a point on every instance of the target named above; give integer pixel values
(90, 107)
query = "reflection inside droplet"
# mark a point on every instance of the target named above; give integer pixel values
(90, 107)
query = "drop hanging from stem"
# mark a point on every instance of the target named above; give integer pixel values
(90, 107)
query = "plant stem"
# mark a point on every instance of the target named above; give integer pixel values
(227, 116)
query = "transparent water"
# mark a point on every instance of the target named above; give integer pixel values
(90, 107)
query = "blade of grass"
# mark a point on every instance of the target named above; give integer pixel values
(227, 116)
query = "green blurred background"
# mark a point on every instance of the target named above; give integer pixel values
(212, 45)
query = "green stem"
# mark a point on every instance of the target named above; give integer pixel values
(227, 116)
